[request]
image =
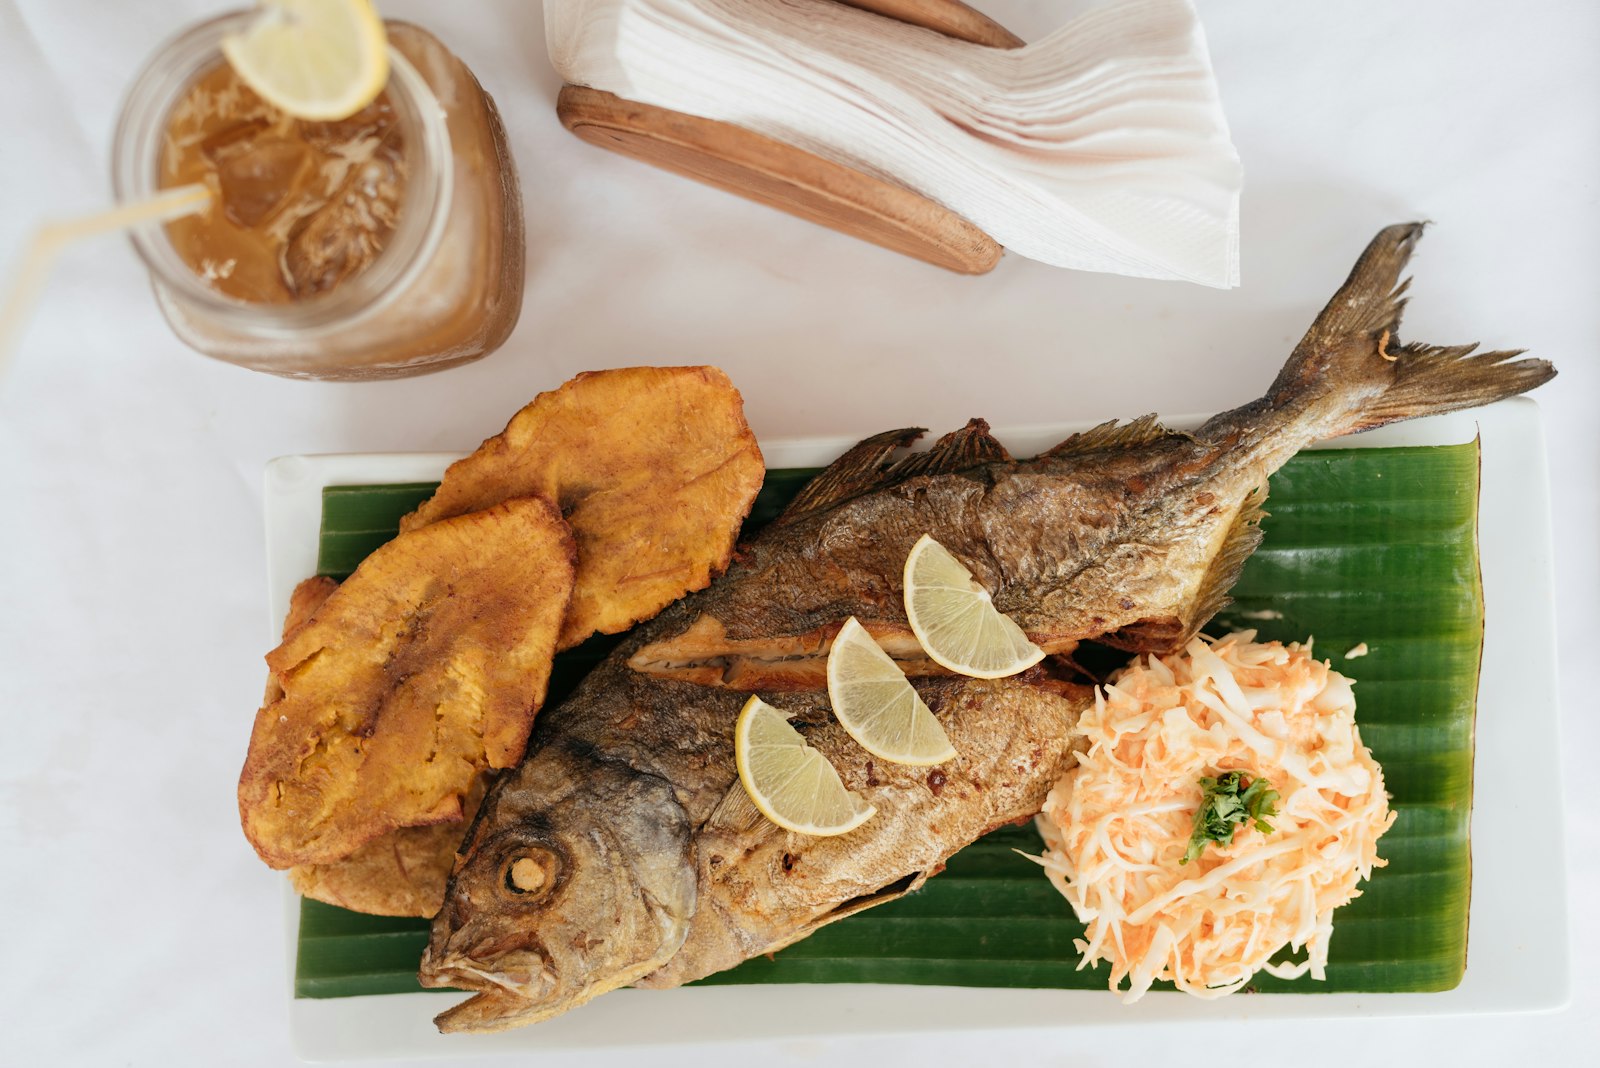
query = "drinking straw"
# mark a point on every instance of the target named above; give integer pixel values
(49, 240)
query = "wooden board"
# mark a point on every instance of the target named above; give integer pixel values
(782, 176)
(947, 16)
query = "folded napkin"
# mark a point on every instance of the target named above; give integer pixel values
(1102, 147)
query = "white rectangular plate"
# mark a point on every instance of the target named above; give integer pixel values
(1517, 926)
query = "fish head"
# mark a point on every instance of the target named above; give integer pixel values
(575, 879)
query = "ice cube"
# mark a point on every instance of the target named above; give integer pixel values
(349, 231)
(255, 182)
(232, 139)
(375, 120)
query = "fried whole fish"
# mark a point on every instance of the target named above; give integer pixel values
(624, 850)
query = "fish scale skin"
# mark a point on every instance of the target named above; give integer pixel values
(1129, 534)
(762, 887)
(1061, 545)
(1013, 737)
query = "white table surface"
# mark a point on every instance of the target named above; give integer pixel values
(141, 929)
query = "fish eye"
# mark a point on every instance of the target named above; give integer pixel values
(531, 872)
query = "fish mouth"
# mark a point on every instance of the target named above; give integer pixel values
(523, 974)
(519, 988)
(495, 1010)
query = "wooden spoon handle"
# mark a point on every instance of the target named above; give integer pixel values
(790, 179)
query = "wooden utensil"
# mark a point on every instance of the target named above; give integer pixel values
(790, 179)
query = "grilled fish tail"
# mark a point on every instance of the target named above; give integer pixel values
(1352, 372)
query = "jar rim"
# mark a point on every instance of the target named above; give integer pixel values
(424, 209)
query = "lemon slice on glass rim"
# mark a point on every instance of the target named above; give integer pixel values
(875, 702)
(322, 60)
(957, 623)
(791, 783)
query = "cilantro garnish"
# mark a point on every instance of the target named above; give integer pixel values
(1225, 802)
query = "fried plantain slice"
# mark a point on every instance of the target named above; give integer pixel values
(304, 601)
(401, 873)
(654, 468)
(423, 669)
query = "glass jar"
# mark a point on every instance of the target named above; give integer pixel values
(444, 288)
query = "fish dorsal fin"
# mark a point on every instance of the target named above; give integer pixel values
(1243, 538)
(956, 451)
(735, 813)
(857, 471)
(1113, 435)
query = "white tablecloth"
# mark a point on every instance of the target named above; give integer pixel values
(140, 928)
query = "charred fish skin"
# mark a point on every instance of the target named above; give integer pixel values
(574, 883)
(763, 888)
(722, 883)
(1129, 534)
(1087, 543)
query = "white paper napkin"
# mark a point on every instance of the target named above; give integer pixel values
(1102, 147)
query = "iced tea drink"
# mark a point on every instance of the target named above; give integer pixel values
(299, 207)
(386, 244)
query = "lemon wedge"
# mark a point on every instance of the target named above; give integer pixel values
(791, 783)
(323, 60)
(956, 621)
(876, 703)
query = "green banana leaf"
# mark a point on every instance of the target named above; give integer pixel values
(1373, 546)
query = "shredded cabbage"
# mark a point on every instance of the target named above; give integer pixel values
(1117, 825)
